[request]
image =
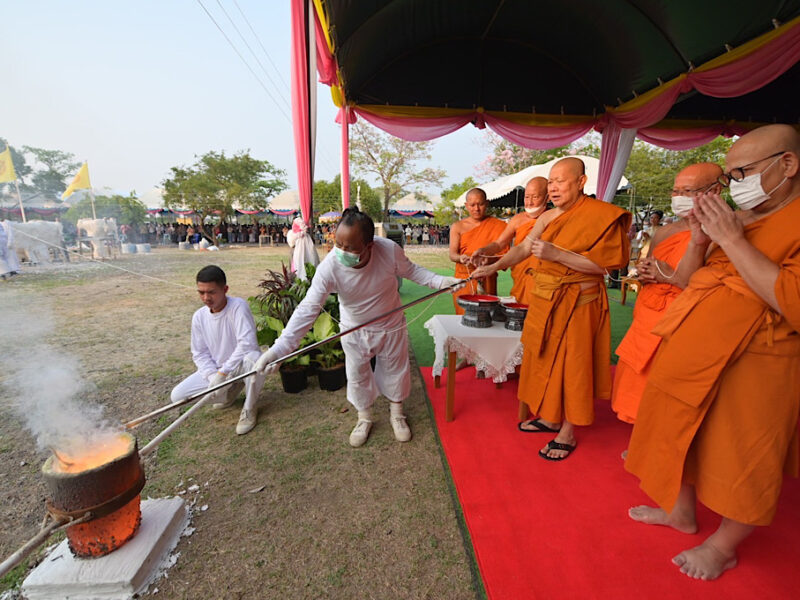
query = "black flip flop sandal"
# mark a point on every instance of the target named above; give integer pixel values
(540, 427)
(554, 445)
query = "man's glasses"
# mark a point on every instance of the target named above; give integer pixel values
(738, 174)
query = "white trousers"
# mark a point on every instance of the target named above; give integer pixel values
(196, 383)
(392, 376)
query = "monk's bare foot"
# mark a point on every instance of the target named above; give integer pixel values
(561, 438)
(657, 516)
(704, 562)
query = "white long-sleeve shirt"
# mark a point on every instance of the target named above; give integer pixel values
(221, 340)
(363, 293)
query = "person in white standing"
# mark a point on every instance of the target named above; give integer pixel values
(11, 251)
(223, 345)
(363, 270)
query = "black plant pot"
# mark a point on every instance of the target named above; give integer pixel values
(294, 380)
(332, 379)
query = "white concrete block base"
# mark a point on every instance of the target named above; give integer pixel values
(116, 576)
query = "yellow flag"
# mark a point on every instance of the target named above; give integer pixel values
(81, 182)
(7, 172)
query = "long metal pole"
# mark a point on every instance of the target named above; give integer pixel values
(164, 409)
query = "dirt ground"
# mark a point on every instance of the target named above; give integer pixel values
(292, 510)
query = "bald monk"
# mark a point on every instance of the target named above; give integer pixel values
(718, 418)
(518, 229)
(566, 336)
(467, 236)
(662, 283)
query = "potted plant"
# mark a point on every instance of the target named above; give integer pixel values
(281, 292)
(330, 357)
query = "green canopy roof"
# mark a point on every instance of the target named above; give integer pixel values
(550, 56)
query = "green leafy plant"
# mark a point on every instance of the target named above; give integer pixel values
(331, 354)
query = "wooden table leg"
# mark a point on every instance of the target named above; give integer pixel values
(451, 386)
(522, 411)
(437, 381)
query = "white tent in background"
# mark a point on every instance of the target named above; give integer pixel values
(410, 202)
(504, 185)
(288, 200)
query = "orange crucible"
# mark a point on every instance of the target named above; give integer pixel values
(105, 481)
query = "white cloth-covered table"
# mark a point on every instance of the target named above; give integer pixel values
(494, 350)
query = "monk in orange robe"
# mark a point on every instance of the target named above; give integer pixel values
(718, 418)
(467, 236)
(518, 228)
(567, 336)
(659, 272)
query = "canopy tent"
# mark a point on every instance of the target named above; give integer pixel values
(504, 185)
(676, 74)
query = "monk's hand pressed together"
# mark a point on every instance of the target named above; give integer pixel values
(545, 250)
(699, 237)
(718, 219)
(646, 270)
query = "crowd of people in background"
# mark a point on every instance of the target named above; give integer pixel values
(428, 235)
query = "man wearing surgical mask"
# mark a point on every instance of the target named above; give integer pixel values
(718, 418)
(663, 282)
(363, 271)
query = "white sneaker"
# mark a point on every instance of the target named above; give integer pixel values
(402, 432)
(247, 420)
(229, 396)
(360, 433)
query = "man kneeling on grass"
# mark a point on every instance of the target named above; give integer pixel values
(363, 270)
(223, 345)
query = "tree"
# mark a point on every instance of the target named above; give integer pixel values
(327, 197)
(506, 158)
(58, 168)
(215, 183)
(446, 213)
(393, 161)
(127, 210)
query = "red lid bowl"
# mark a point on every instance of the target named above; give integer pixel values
(479, 298)
(516, 306)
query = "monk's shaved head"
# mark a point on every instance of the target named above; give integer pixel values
(571, 165)
(770, 139)
(566, 181)
(536, 193)
(476, 193)
(696, 179)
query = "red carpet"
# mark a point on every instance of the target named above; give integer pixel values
(560, 530)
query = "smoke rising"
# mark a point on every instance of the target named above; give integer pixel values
(43, 384)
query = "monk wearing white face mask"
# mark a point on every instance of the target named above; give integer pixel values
(718, 417)
(518, 228)
(363, 271)
(663, 281)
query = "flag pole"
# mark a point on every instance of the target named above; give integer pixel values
(19, 198)
(91, 196)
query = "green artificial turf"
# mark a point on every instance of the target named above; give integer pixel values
(422, 343)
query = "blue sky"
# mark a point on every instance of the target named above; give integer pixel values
(138, 87)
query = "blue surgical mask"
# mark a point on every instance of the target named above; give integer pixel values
(348, 259)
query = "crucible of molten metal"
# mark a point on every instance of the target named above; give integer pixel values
(104, 481)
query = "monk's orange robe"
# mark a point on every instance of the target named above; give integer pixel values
(638, 347)
(519, 272)
(476, 238)
(567, 333)
(721, 404)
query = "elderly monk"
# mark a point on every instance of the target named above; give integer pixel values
(518, 229)
(663, 282)
(718, 418)
(467, 236)
(567, 338)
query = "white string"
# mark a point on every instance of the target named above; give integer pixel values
(658, 268)
(105, 264)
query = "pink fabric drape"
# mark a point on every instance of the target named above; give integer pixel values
(301, 119)
(539, 138)
(345, 157)
(415, 129)
(608, 154)
(326, 64)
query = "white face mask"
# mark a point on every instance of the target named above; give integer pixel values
(533, 211)
(681, 205)
(748, 192)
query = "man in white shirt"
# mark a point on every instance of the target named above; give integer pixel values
(223, 345)
(363, 270)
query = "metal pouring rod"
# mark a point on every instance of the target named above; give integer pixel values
(31, 545)
(164, 409)
(153, 444)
